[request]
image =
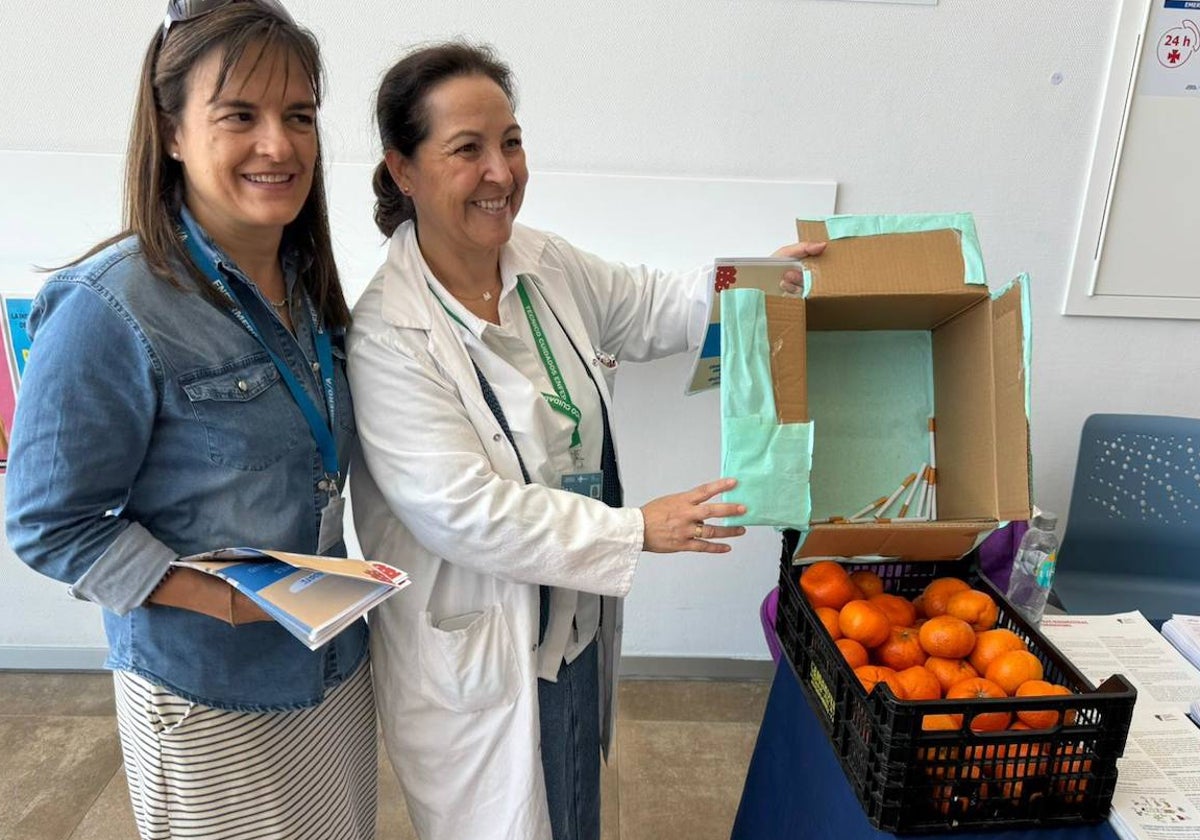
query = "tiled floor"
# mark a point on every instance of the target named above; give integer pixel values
(681, 756)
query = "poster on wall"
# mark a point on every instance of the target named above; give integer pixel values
(16, 314)
(1170, 63)
(8, 401)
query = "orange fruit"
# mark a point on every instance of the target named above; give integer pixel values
(962, 796)
(853, 652)
(977, 688)
(1009, 670)
(932, 723)
(867, 581)
(919, 684)
(1016, 762)
(919, 605)
(901, 650)
(826, 584)
(937, 594)
(949, 671)
(974, 607)
(1041, 718)
(1067, 764)
(991, 643)
(900, 611)
(864, 622)
(869, 675)
(829, 617)
(947, 636)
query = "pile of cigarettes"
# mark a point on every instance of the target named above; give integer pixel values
(920, 501)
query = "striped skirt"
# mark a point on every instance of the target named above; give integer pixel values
(199, 772)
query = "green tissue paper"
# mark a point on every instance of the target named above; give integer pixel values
(771, 461)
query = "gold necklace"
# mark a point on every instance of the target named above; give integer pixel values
(486, 296)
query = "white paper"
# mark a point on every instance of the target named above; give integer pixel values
(1126, 644)
(1158, 781)
(1158, 777)
(1183, 631)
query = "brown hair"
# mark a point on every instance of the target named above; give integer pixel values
(402, 116)
(154, 181)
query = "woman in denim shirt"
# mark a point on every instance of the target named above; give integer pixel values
(153, 424)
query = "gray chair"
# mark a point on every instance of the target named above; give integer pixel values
(1133, 533)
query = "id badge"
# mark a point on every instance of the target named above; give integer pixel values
(331, 524)
(590, 484)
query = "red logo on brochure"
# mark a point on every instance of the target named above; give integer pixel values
(1176, 46)
(384, 572)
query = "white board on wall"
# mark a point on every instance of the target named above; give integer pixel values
(55, 205)
(1135, 256)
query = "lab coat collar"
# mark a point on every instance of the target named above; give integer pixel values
(407, 299)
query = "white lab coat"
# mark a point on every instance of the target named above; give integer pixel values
(438, 492)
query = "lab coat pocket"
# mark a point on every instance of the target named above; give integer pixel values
(469, 668)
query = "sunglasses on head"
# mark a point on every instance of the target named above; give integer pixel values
(179, 11)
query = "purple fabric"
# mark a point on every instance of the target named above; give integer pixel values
(766, 612)
(997, 553)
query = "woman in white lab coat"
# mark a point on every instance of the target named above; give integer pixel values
(480, 361)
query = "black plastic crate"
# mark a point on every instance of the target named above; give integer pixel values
(909, 780)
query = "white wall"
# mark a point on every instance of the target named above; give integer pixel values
(908, 108)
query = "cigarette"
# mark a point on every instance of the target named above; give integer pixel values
(829, 520)
(858, 517)
(930, 490)
(912, 491)
(931, 501)
(933, 468)
(891, 500)
(923, 484)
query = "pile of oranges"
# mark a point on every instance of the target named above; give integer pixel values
(943, 644)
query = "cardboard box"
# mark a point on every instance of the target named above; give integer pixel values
(913, 286)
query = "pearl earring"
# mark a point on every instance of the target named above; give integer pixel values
(175, 155)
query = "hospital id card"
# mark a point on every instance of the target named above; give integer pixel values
(590, 484)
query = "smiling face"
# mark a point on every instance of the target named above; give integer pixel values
(467, 178)
(249, 149)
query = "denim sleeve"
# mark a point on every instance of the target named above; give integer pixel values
(85, 415)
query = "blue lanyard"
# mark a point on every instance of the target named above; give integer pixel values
(322, 433)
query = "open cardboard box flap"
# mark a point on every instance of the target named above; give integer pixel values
(915, 281)
(918, 541)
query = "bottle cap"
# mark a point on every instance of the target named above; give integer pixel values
(1045, 521)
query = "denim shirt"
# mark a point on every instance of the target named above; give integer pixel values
(152, 425)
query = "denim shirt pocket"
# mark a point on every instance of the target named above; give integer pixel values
(249, 417)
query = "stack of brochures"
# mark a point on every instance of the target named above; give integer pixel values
(1183, 631)
(314, 598)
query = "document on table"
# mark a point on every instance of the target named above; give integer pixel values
(1126, 644)
(1158, 778)
(1183, 631)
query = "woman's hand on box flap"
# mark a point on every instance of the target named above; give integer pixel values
(793, 281)
(676, 522)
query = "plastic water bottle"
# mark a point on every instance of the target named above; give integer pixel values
(1033, 568)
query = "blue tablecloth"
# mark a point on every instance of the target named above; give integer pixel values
(795, 787)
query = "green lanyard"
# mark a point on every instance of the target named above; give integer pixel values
(560, 400)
